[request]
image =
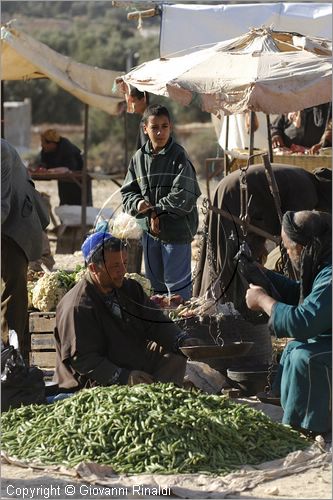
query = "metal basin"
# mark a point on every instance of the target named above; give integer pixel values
(235, 349)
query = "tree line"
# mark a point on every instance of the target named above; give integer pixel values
(94, 33)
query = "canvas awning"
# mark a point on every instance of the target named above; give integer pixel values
(24, 58)
(262, 70)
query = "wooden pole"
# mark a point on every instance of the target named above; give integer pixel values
(269, 139)
(84, 183)
(2, 110)
(141, 13)
(273, 187)
(239, 222)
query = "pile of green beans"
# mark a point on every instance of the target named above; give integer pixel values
(155, 428)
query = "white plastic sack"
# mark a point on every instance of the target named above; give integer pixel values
(124, 226)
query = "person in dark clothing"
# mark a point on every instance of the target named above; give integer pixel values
(217, 273)
(304, 313)
(58, 152)
(109, 332)
(303, 128)
(24, 217)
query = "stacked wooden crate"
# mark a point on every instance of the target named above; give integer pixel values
(42, 353)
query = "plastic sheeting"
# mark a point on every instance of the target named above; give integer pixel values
(24, 58)
(212, 23)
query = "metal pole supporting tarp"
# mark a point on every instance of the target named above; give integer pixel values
(251, 148)
(125, 142)
(226, 145)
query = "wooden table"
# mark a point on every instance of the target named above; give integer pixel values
(76, 177)
(308, 162)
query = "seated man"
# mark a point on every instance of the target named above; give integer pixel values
(108, 331)
(305, 314)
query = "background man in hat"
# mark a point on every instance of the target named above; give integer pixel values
(108, 331)
(58, 152)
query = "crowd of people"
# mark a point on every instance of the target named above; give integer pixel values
(107, 329)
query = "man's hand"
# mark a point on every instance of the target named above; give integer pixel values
(138, 377)
(277, 141)
(257, 299)
(143, 206)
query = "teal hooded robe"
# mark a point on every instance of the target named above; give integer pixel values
(305, 373)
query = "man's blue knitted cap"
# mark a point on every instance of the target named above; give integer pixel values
(93, 243)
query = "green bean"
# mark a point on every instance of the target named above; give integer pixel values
(147, 428)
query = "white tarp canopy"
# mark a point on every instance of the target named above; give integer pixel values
(204, 24)
(262, 70)
(24, 58)
(207, 24)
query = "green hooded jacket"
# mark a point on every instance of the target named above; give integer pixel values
(168, 181)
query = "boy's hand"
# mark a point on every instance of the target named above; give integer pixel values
(154, 224)
(143, 206)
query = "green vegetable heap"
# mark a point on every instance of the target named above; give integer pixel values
(155, 428)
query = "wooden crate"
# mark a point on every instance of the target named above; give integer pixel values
(42, 341)
(43, 359)
(42, 322)
(42, 344)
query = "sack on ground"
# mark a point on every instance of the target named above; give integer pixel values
(20, 385)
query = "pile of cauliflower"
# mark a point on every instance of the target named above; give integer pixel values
(45, 293)
(51, 287)
(144, 282)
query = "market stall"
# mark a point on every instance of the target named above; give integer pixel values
(24, 58)
(262, 70)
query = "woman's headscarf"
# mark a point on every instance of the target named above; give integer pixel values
(314, 232)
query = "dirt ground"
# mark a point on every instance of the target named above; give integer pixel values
(315, 483)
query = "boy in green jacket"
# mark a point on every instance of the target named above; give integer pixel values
(161, 191)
